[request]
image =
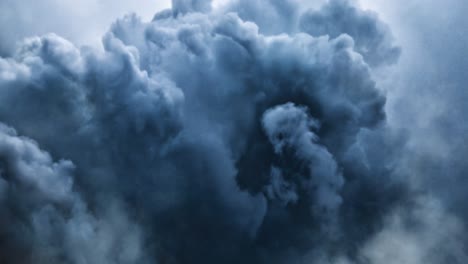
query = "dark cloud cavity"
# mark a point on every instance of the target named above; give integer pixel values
(210, 136)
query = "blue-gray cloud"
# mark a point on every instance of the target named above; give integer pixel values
(45, 220)
(373, 38)
(205, 136)
(83, 22)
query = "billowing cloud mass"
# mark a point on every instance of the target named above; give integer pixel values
(250, 133)
(82, 22)
(45, 220)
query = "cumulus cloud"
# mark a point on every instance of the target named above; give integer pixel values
(288, 130)
(83, 22)
(44, 220)
(422, 234)
(206, 135)
(373, 38)
(185, 6)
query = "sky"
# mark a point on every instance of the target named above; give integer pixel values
(233, 131)
(83, 23)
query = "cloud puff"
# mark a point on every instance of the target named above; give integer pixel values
(372, 37)
(29, 18)
(185, 6)
(317, 180)
(444, 242)
(44, 220)
(204, 136)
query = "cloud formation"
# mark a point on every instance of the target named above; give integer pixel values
(45, 220)
(83, 22)
(208, 135)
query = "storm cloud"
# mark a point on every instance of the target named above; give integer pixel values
(254, 132)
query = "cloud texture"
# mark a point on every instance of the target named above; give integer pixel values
(209, 135)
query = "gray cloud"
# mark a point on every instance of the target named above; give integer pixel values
(83, 22)
(444, 243)
(45, 221)
(185, 6)
(373, 38)
(426, 94)
(288, 130)
(212, 135)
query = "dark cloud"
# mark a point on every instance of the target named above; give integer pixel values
(206, 136)
(44, 220)
(373, 38)
(185, 6)
(272, 17)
